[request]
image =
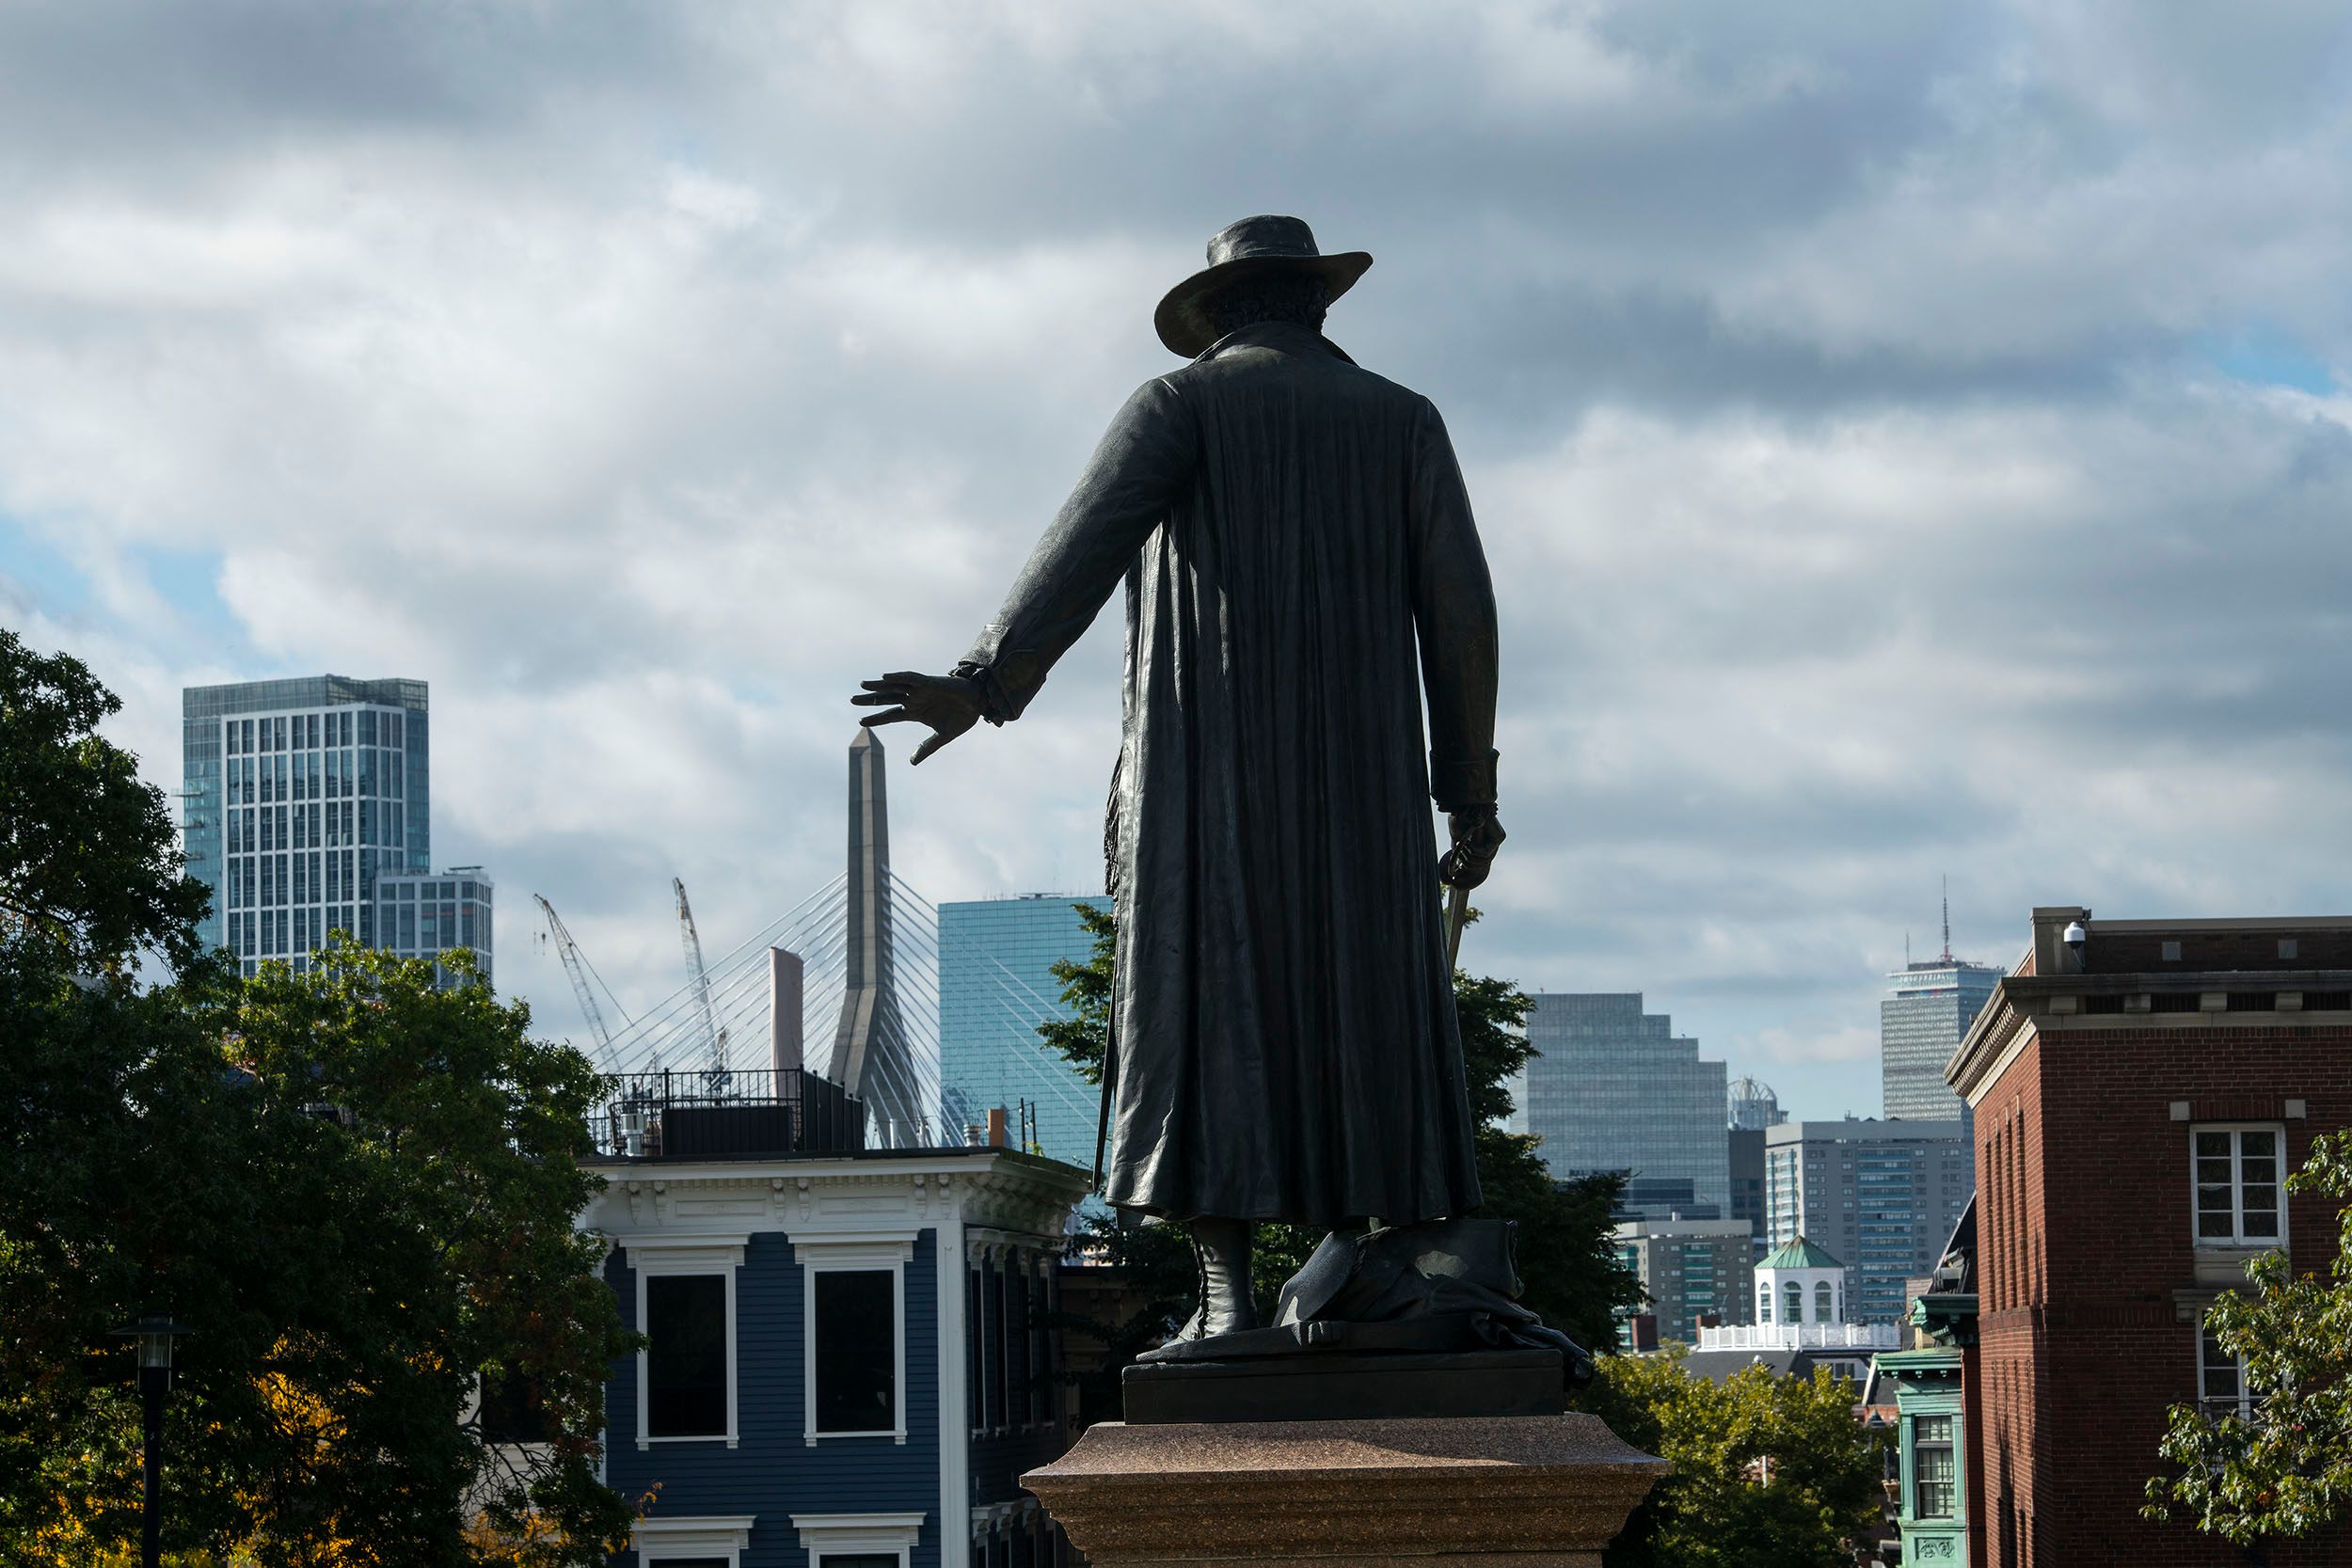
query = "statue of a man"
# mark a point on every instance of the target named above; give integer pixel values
(1291, 528)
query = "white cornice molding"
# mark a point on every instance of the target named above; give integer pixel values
(716, 1534)
(855, 1532)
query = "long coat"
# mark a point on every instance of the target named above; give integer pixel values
(1289, 527)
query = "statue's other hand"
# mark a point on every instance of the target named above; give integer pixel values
(1477, 835)
(950, 705)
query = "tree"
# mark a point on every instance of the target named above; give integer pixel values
(87, 866)
(1566, 1256)
(358, 1189)
(1769, 1472)
(2283, 1467)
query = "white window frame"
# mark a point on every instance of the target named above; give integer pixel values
(721, 1535)
(2237, 1237)
(2206, 1400)
(865, 1251)
(857, 1534)
(686, 1255)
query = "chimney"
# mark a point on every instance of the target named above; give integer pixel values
(997, 1126)
(784, 1013)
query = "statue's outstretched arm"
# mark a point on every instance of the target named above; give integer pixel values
(1142, 465)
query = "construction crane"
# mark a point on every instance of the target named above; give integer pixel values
(715, 1076)
(569, 951)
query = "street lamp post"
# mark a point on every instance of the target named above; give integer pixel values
(155, 1334)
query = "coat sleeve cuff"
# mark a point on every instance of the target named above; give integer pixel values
(1462, 784)
(996, 703)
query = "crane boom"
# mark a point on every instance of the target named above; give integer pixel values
(693, 941)
(569, 951)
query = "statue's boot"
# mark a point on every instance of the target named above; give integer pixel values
(1220, 1248)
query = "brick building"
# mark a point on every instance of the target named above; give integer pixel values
(2139, 1089)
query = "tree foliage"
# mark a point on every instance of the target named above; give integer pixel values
(2285, 1469)
(1567, 1255)
(357, 1189)
(1769, 1472)
(87, 866)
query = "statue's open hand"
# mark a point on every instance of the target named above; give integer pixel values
(1477, 835)
(950, 705)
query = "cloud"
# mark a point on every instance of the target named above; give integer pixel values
(1906, 441)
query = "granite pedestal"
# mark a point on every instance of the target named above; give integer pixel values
(1475, 1491)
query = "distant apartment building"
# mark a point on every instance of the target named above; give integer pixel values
(1612, 1088)
(1744, 1151)
(1754, 1107)
(422, 915)
(1692, 1268)
(2141, 1093)
(996, 985)
(1882, 1195)
(1924, 1017)
(307, 801)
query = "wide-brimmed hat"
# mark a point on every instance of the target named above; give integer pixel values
(1250, 249)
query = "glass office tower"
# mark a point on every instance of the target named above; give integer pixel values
(1926, 1014)
(1612, 1089)
(996, 985)
(300, 796)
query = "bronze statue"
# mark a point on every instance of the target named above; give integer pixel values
(1291, 528)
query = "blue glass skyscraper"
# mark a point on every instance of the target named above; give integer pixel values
(1612, 1088)
(995, 986)
(307, 809)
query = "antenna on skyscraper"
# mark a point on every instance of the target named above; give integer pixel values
(1947, 920)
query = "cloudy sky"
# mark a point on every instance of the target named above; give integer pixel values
(1912, 441)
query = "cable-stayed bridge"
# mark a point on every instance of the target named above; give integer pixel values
(846, 985)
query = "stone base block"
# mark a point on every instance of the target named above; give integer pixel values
(1479, 1491)
(1339, 1388)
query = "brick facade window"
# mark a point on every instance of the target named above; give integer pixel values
(2238, 1175)
(2221, 1389)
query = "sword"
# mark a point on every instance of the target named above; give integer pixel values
(1456, 917)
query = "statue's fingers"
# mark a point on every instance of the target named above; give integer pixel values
(937, 740)
(895, 716)
(878, 699)
(908, 677)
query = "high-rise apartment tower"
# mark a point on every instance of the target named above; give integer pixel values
(1881, 1194)
(309, 809)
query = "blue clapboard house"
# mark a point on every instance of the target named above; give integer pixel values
(849, 1364)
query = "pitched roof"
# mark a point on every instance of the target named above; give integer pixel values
(1799, 1254)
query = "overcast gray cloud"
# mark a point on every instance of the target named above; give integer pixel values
(1910, 439)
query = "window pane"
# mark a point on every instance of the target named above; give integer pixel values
(1933, 1469)
(513, 1411)
(685, 1363)
(856, 1351)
